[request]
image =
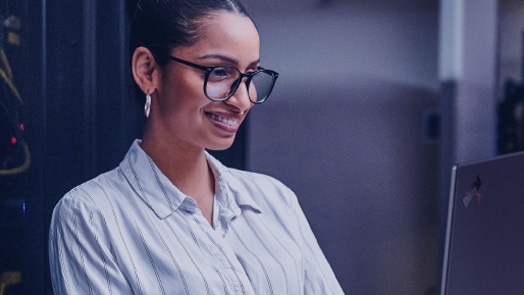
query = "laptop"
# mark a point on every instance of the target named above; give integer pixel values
(484, 247)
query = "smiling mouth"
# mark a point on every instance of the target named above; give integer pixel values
(229, 122)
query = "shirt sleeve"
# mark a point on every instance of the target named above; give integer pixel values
(79, 255)
(319, 277)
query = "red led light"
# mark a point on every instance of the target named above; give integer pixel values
(13, 140)
(477, 194)
(22, 126)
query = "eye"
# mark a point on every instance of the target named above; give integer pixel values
(254, 69)
(221, 73)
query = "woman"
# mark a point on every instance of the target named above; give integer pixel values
(171, 219)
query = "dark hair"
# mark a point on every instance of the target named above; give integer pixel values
(161, 25)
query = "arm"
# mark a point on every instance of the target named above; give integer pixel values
(319, 277)
(79, 250)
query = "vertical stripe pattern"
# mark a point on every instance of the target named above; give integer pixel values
(131, 231)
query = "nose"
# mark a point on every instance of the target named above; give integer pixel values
(240, 99)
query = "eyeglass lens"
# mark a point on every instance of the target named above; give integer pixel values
(222, 82)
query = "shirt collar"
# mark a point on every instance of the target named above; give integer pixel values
(157, 191)
(153, 187)
(232, 190)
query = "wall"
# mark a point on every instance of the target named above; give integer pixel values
(345, 130)
(511, 36)
(390, 43)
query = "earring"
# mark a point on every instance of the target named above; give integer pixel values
(147, 106)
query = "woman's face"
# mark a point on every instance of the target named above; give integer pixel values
(183, 113)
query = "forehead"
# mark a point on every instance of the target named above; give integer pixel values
(228, 34)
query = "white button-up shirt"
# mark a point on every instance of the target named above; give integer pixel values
(131, 231)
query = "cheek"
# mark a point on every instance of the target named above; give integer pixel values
(185, 110)
(182, 94)
(187, 83)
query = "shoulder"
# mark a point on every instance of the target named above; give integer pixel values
(261, 187)
(238, 179)
(93, 209)
(250, 178)
(91, 195)
(256, 188)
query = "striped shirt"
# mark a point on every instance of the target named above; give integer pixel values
(131, 231)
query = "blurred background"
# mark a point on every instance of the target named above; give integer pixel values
(375, 102)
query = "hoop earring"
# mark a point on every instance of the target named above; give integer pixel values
(147, 106)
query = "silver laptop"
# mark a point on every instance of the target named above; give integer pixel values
(484, 247)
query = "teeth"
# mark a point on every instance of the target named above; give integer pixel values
(223, 120)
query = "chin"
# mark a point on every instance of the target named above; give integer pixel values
(220, 146)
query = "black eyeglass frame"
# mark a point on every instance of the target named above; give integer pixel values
(234, 88)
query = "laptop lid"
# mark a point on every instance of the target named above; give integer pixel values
(484, 247)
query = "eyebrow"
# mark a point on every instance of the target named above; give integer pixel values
(226, 59)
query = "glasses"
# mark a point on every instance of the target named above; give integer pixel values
(221, 82)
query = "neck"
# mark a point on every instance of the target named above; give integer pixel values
(186, 168)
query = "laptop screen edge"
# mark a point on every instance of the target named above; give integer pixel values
(445, 260)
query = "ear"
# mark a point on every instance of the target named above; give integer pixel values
(144, 69)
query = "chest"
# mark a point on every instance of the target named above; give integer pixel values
(183, 254)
